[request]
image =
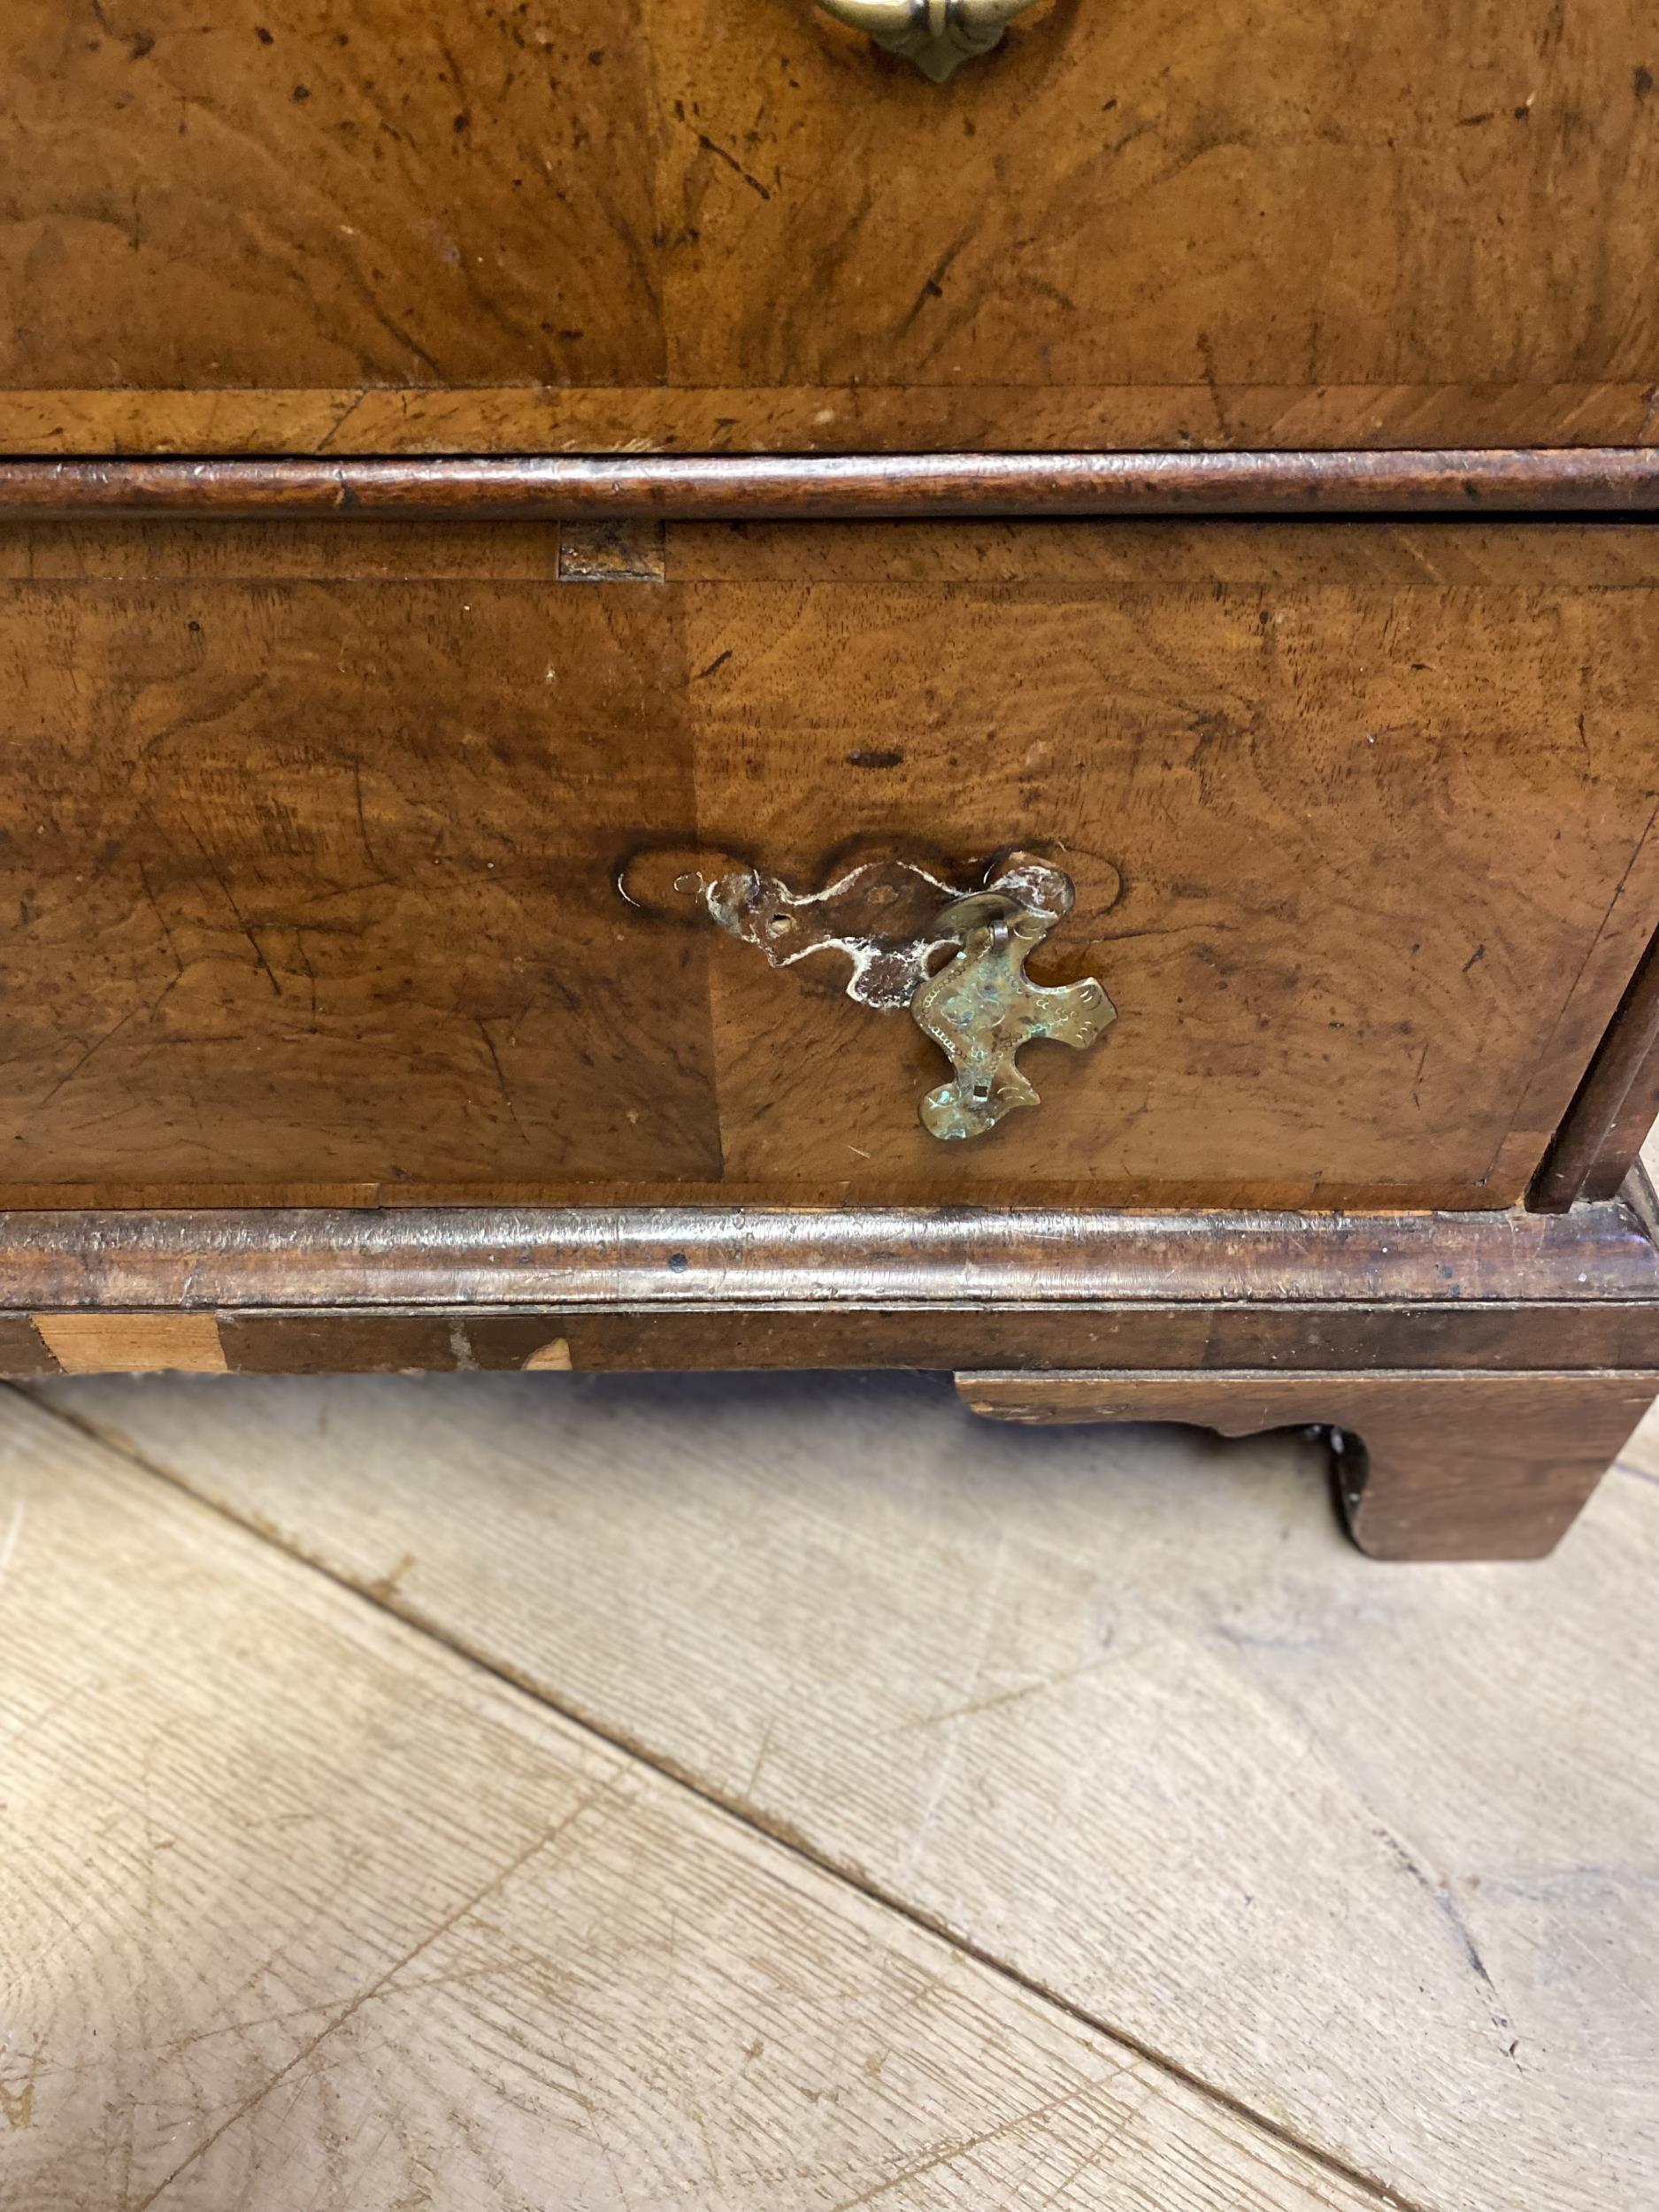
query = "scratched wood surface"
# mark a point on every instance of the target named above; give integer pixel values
(297, 1908)
(1370, 1850)
(347, 864)
(733, 223)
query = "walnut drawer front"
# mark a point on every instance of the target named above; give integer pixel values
(359, 863)
(706, 224)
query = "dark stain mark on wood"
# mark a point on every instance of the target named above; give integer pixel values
(617, 552)
(732, 163)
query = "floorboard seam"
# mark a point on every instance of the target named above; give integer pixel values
(780, 1834)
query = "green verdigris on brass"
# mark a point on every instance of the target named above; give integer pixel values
(983, 1007)
(893, 920)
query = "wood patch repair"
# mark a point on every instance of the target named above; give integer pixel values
(132, 1343)
(612, 553)
(551, 1359)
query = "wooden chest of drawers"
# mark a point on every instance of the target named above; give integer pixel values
(616, 626)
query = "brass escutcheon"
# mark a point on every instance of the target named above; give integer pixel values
(893, 920)
(938, 36)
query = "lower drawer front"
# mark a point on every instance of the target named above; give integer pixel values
(361, 864)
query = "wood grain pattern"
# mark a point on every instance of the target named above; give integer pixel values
(313, 879)
(1373, 1844)
(132, 1343)
(368, 420)
(1432, 552)
(315, 857)
(1430, 1466)
(723, 195)
(285, 194)
(300, 1908)
(1127, 197)
(891, 486)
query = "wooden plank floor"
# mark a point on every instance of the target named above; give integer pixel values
(558, 1792)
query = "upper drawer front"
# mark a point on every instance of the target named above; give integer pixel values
(363, 864)
(737, 223)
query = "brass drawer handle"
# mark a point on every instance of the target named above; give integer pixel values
(938, 36)
(979, 1007)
